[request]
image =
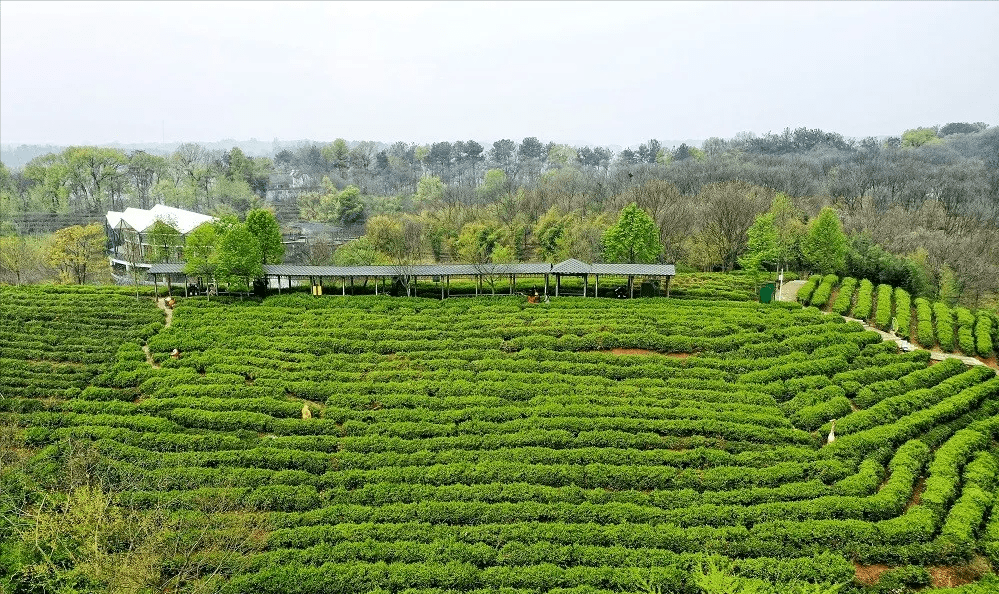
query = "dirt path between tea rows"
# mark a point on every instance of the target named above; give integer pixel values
(789, 292)
(160, 303)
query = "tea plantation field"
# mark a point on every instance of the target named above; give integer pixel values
(378, 444)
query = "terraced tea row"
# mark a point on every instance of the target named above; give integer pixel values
(427, 446)
(935, 324)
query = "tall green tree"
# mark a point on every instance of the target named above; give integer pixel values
(267, 233)
(78, 252)
(634, 238)
(349, 208)
(49, 175)
(429, 190)
(331, 206)
(774, 236)
(144, 171)
(357, 252)
(239, 259)
(919, 137)
(582, 238)
(762, 243)
(200, 252)
(824, 248)
(477, 240)
(92, 173)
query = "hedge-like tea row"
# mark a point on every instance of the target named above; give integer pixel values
(844, 300)
(865, 300)
(806, 290)
(911, 425)
(983, 335)
(883, 314)
(820, 297)
(945, 326)
(942, 484)
(956, 541)
(925, 377)
(924, 323)
(482, 444)
(903, 311)
(893, 408)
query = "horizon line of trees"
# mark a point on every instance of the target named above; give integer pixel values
(930, 196)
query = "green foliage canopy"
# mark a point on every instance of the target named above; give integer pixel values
(265, 228)
(238, 258)
(825, 246)
(633, 239)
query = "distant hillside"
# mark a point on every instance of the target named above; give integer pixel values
(15, 156)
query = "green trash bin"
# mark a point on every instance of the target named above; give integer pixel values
(767, 292)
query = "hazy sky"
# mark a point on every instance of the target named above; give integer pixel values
(596, 72)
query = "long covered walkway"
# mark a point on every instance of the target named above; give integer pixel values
(443, 273)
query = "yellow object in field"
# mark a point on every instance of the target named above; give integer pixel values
(306, 413)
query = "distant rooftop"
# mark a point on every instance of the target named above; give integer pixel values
(141, 220)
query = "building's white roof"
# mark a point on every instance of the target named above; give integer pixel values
(141, 220)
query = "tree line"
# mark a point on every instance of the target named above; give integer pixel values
(920, 209)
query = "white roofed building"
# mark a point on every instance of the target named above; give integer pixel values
(129, 236)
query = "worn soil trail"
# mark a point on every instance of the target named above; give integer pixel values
(789, 292)
(160, 303)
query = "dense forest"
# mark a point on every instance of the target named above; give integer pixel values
(921, 210)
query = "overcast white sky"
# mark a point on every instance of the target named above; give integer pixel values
(597, 72)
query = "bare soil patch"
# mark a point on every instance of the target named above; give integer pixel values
(991, 362)
(645, 352)
(832, 299)
(162, 304)
(149, 357)
(917, 493)
(633, 352)
(869, 574)
(959, 575)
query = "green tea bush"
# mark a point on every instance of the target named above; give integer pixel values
(806, 290)
(983, 335)
(865, 303)
(903, 311)
(820, 297)
(945, 326)
(884, 312)
(844, 300)
(924, 323)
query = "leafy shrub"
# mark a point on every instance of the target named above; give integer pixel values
(822, 293)
(945, 326)
(844, 300)
(806, 290)
(903, 311)
(924, 323)
(883, 315)
(983, 335)
(862, 309)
